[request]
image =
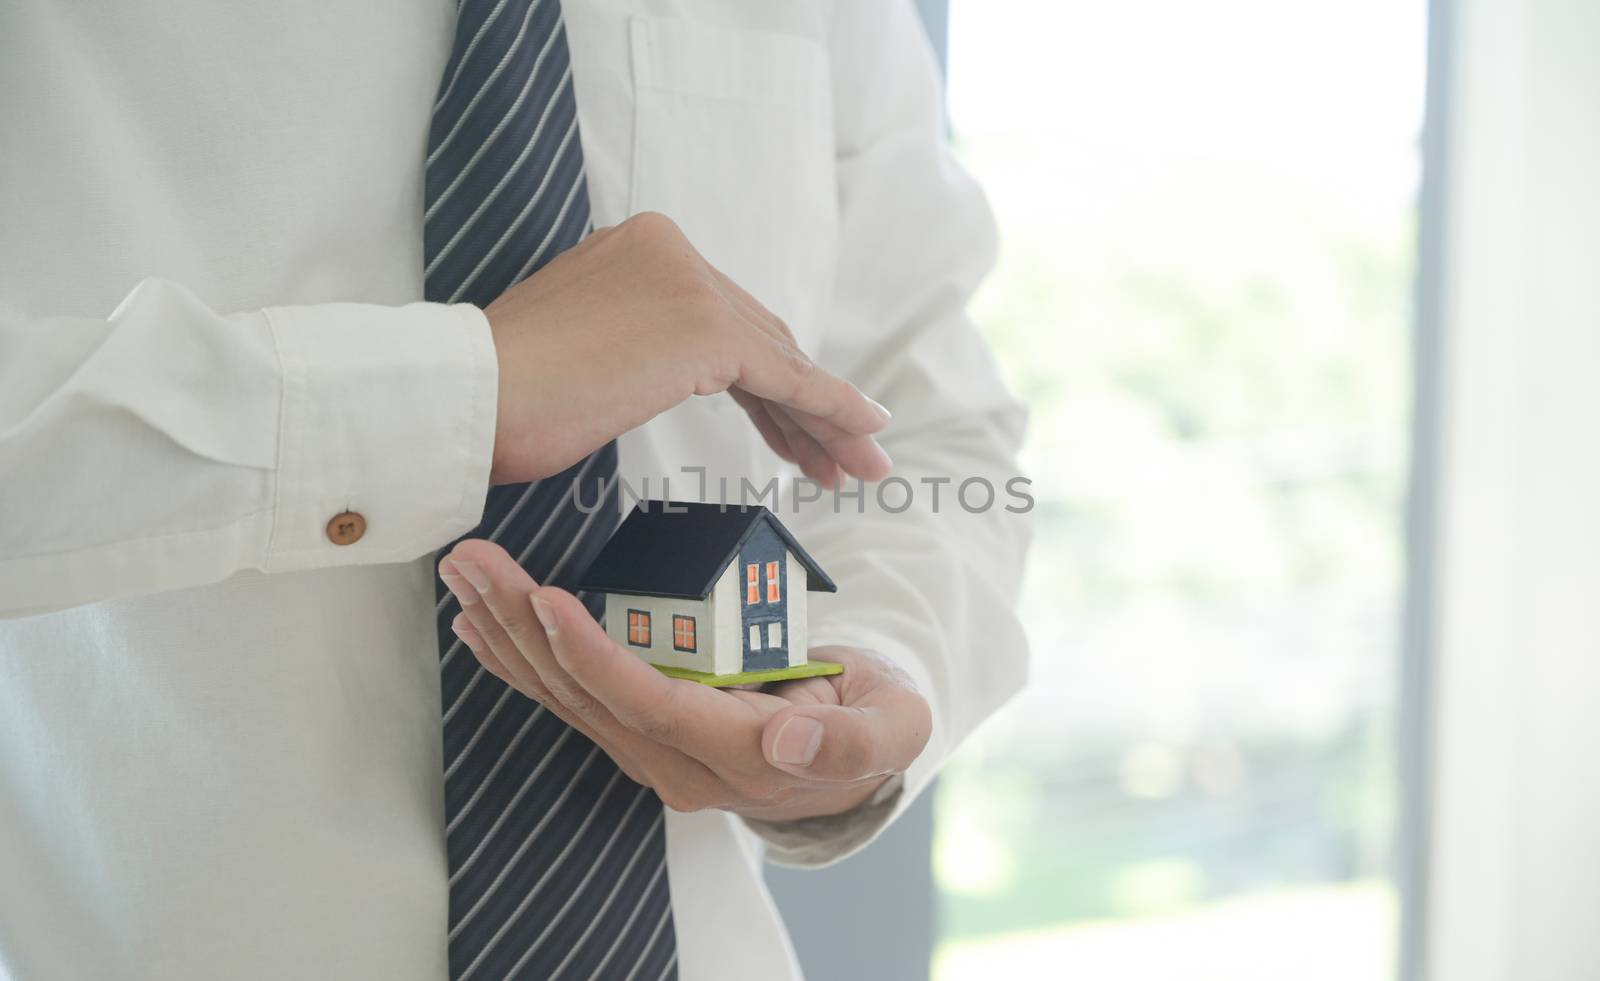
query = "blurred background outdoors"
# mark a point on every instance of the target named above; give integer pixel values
(1204, 291)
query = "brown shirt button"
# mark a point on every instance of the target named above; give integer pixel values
(346, 528)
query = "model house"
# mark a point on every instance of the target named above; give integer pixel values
(709, 592)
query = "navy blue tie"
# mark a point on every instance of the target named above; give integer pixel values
(557, 859)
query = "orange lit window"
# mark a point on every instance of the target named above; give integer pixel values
(683, 633)
(772, 583)
(751, 595)
(639, 628)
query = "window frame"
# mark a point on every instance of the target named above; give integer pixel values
(752, 595)
(774, 582)
(679, 631)
(638, 625)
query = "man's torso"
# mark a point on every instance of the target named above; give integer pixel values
(251, 770)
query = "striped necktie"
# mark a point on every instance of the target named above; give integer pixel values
(557, 860)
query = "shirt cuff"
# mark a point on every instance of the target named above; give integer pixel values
(815, 842)
(387, 412)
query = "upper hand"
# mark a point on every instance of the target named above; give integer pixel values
(799, 749)
(632, 321)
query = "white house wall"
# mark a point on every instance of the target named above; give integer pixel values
(727, 601)
(661, 611)
(797, 610)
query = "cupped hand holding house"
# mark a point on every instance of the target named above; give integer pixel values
(797, 749)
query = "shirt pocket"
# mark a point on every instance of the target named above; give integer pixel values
(733, 140)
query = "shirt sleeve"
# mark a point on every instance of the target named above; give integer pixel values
(928, 563)
(169, 446)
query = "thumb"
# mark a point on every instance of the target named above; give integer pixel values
(848, 742)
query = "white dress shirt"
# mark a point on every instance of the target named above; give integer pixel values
(219, 730)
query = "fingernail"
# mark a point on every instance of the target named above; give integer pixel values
(882, 412)
(798, 741)
(546, 614)
(474, 575)
(459, 587)
(462, 627)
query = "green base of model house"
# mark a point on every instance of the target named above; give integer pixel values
(812, 669)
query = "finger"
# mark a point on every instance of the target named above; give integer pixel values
(467, 572)
(525, 647)
(679, 781)
(859, 456)
(771, 324)
(484, 577)
(699, 721)
(486, 637)
(463, 628)
(818, 447)
(691, 751)
(777, 370)
(764, 703)
(798, 447)
(503, 616)
(814, 461)
(756, 409)
(775, 696)
(879, 729)
(805, 691)
(748, 305)
(496, 665)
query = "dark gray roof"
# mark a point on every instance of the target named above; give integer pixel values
(680, 553)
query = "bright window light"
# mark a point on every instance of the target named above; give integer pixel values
(1204, 292)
